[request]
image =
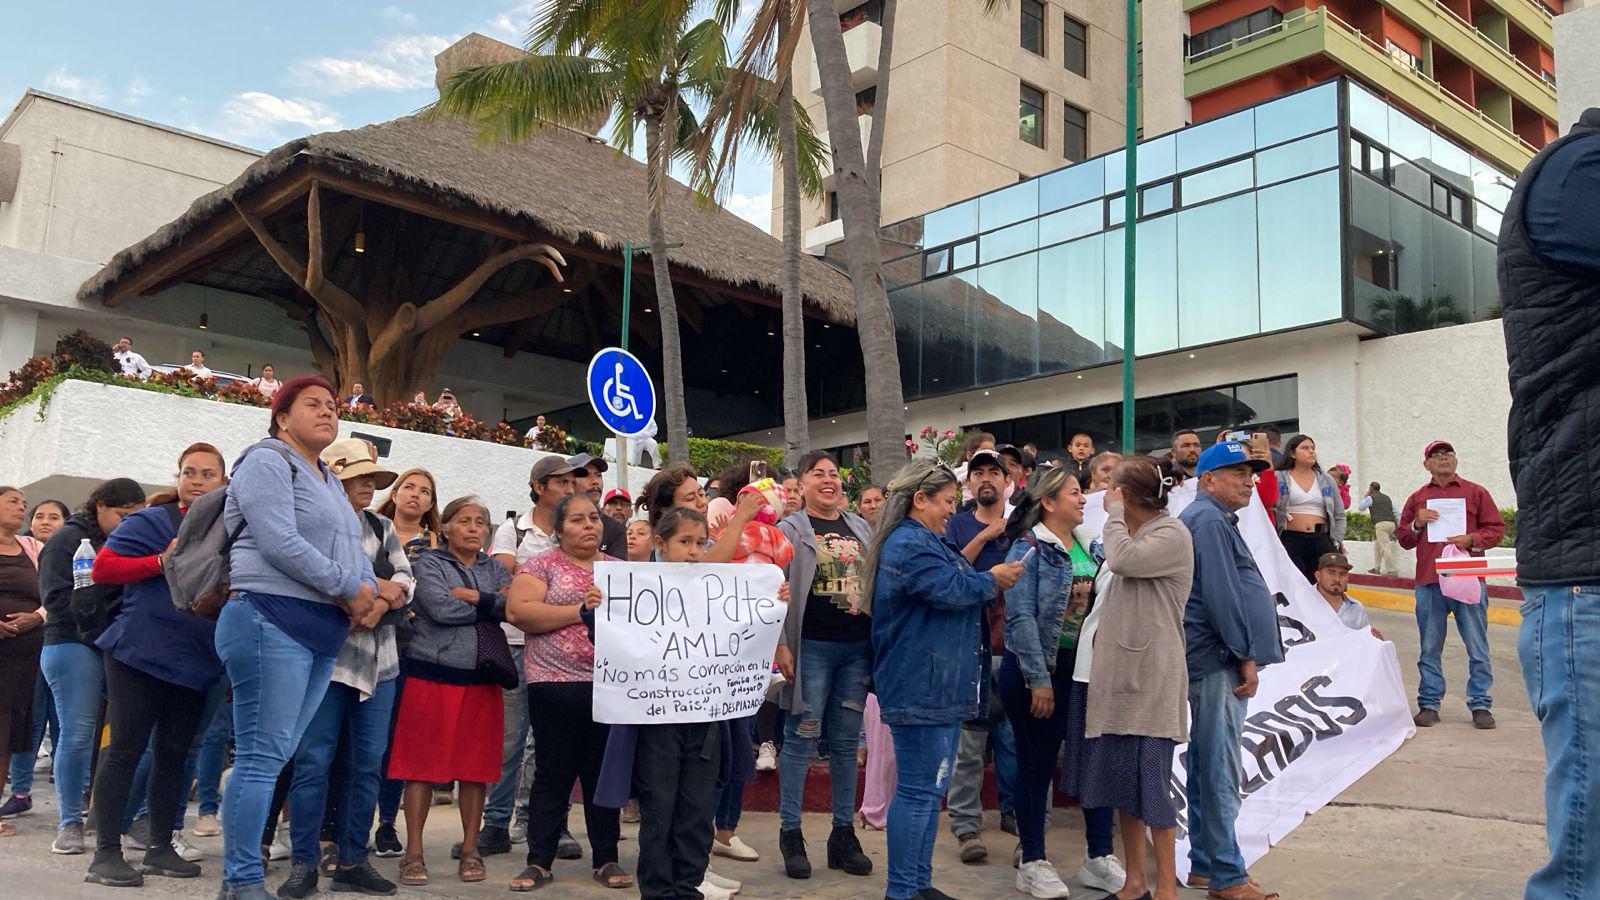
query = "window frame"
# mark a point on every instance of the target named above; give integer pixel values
(1041, 18)
(1068, 41)
(1067, 109)
(1041, 122)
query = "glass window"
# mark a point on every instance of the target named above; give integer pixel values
(1301, 278)
(1007, 205)
(1261, 402)
(1217, 182)
(936, 262)
(1030, 115)
(1412, 180)
(906, 305)
(1071, 306)
(1157, 158)
(951, 223)
(946, 328)
(1075, 46)
(1033, 26)
(1018, 238)
(1085, 218)
(1300, 157)
(1368, 114)
(1156, 288)
(1075, 132)
(1157, 198)
(1116, 171)
(1006, 310)
(1490, 185)
(1218, 284)
(1216, 140)
(1289, 117)
(1451, 163)
(1486, 219)
(1116, 210)
(964, 256)
(1441, 198)
(1071, 185)
(1408, 137)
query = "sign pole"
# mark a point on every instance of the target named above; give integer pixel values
(1130, 217)
(624, 445)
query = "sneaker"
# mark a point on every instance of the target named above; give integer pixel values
(361, 878)
(1482, 718)
(69, 840)
(494, 839)
(329, 860)
(207, 826)
(385, 842)
(18, 805)
(727, 884)
(973, 850)
(844, 852)
(792, 845)
(1039, 879)
(185, 849)
(43, 763)
(735, 849)
(302, 882)
(166, 862)
(710, 891)
(568, 847)
(933, 893)
(113, 871)
(277, 851)
(519, 831)
(137, 837)
(767, 757)
(1008, 823)
(1426, 717)
(1103, 872)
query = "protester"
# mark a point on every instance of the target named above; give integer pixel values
(588, 476)
(544, 600)
(929, 664)
(977, 440)
(790, 482)
(1137, 709)
(353, 718)
(21, 639)
(1080, 452)
(160, 665)
(300, 579)
(70, 661)
(1100, 468)
(677, 485)
(826, 658)
(450, 709)
(878, 781)
(1333, 580)
(538, 423)
(413, 507)
(1274, 441)
(1230, 631)
(447, 404)
(1045, 612)
(640, 548)
(267, 383)
(869, 501)
(618, 505)
(1484, 528)
(1018, 467)
(46, 517)
(197, 365)
(420, 400)
(1340, 473)
(1384, 552)
(980, 535)
(1185, 451)
(1308, 513)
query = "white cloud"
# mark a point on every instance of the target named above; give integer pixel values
(511, 25)
(136, 90)
(255, 115)
(756, 210)
(396, 14)
(78, 87)
(400, 63)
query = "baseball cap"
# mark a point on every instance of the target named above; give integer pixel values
(1435, 447)
(616, 494)
(587, 462)
(1334, 561)
(1023, 457)
(1228, 453)
(548, 466)
(985, 457)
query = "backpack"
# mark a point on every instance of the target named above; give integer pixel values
(197, 569)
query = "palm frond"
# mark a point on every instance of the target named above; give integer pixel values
(508, 100)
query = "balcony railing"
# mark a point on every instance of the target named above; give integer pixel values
(1489, 42)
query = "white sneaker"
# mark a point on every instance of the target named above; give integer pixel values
(207, 826)
(42, 763)
(1103, 872)
(185, 849)
(519, 834)
(1039, 879)
(727, 884)
(712, 892)
(767, 757)
(734, 849)
(278, 852)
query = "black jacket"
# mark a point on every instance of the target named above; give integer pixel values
(1552, 330)
(74, 616)
(613, 537)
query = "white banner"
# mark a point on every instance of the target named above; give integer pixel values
(684, 643)
(1322, 718)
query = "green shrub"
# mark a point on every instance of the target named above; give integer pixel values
(1358, 526)
(709, 456)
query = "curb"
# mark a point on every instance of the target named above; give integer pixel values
(1400, 602)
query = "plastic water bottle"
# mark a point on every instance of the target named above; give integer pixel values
(82, 563)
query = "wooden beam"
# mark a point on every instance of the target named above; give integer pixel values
(314, 246)
(583, 274)
(743, 306)
(330, 296)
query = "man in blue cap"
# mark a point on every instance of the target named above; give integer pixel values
(1231, 629)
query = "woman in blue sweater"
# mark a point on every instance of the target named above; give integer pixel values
(930, 664)
(300, 581)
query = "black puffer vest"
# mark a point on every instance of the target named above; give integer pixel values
(1552, 331)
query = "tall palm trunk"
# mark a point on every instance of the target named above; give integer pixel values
(880, 104)
(671, 350)
(796, 425)
(858, 207)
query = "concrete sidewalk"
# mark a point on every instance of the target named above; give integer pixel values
(1455, 813)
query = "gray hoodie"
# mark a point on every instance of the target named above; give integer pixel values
(444, 645)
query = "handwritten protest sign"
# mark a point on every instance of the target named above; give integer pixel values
(684, 643)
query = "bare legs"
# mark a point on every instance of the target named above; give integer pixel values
(470, 799)
(416, 800)
(1165, 840)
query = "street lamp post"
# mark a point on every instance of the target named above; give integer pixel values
(1130, 217)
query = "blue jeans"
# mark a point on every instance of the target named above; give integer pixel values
(77, 682)
(1472, 621)
(213, 758)
(833, 688)
(277, 687)
(44, 713)
(1559, 646)
(365, 724)
(1214, 767)
(925, 758)
(730, 803)
(502, 800)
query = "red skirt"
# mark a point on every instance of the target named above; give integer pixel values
(447, 732)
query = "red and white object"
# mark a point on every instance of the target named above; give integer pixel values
(1477, 566)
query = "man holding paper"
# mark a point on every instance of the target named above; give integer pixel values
(1449, 510)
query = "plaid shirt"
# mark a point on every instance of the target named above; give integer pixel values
(369, 657)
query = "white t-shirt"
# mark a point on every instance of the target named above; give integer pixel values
(198, 371)
(534, 541)
(132, 364)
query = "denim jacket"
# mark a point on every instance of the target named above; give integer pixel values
(1036, 605)
(929, 662)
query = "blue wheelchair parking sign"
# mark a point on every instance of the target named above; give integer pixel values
(620, 391)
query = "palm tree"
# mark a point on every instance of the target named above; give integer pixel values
(1399, 313)
(644, 65)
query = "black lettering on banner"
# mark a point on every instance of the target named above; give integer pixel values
(1303, 635)
(1272, 739)
(1358, 710)
(1320, 722)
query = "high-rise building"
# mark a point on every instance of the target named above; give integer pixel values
(978, 101)
(1480, 71)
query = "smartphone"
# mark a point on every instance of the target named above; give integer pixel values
(1240, 436)
(1258, 443)
(759, 470)
(1029, 555)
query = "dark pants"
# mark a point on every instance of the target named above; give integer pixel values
(675, 772)
(139, 705)
(1038, 748)
(1305, 548)
(568, 746)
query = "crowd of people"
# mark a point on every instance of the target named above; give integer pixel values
(373, 654)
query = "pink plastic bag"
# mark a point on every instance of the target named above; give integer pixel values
(1461, 588)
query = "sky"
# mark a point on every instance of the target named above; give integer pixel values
(259, 74)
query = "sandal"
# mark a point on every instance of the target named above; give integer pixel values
(613, 876)
(7, 830)
(413, 871)
(1243, 891)
(471, 868)
(531, 879)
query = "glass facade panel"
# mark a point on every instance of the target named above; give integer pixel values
(1217, 291)
(1216, 140)
(1019, 238)
(964, 255)
(1368, 114)
(951, 223)
(1298, 158)
(1452, 164)
(1012, 204)
(1218, 182)
(1070, 185)
(1408, 137)
(1157, 159)
(1287, 118)
(1156, 289)
(1085, 218)
(1157, 198)
(1071, 311)
(1116, 172)
(1298, 249)
(1007, 306)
